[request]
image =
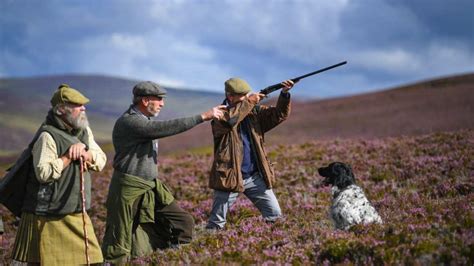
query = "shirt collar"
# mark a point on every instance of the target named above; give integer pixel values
(133, 109)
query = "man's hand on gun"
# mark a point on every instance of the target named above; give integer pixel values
(288, 84)
(257, 97)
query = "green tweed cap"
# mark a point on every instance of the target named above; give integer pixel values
(66, 94)
(149, 88)
(237, 86)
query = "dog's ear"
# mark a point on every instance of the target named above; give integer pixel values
(344, 176)
(350, 174)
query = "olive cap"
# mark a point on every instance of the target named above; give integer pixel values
(149, 88)
(66, 94)
(237, 86)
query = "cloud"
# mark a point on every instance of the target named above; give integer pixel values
(290, 30)
(201, 44)
(159, 56)
(433, 60)
(11, 62)
(134, 45)
(446, 58)
(389, 60)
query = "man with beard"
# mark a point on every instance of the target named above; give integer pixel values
(51, 226)
(142, 214)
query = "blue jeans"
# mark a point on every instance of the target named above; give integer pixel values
(256, 190)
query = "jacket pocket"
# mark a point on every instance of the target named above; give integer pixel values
(223, 157)
(43, 197)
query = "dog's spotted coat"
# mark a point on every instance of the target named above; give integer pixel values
(350, 206)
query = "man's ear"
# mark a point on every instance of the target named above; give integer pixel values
(60, 110)
(144, 101)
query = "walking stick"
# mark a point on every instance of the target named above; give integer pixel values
(83, 198)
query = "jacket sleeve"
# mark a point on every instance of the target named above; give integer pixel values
(232, 118)
(47, 164)
(270, 116)
(98, 156)
(145, 129)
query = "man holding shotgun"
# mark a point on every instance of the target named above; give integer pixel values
(240, 161)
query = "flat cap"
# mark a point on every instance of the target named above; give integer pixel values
(66, 94)
(237, 86)
(149, 88)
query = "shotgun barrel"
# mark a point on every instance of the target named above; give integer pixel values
(278, 86)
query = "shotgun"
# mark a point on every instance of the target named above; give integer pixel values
(278, 86)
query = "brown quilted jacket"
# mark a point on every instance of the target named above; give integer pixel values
(226, 172)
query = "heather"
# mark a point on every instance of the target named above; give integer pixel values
(421, 186)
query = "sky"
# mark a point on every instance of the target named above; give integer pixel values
(200, 44)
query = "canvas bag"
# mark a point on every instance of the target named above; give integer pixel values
(13, 184)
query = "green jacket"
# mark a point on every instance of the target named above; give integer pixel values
(62, 196)
(125, 234)
(226, 172)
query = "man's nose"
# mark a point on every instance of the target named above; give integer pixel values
(83, 108)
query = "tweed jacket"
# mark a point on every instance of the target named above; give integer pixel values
(226, 172)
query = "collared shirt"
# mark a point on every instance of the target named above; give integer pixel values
(249, 166)
(48, 164)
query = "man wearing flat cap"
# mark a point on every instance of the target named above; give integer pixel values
(51, 226)
(240, 161)
(142, 214)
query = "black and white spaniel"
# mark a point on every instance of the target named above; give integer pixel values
(349, 204)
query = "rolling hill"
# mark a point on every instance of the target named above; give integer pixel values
(24, 103)
(418, 176)
(443, 104)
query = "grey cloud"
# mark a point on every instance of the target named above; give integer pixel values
(200, 44)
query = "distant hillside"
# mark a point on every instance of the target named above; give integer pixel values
(24, 103)
(444, 104)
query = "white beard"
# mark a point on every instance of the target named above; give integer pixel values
(80, 122)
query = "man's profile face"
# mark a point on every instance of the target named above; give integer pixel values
(75, 115)
(153, 105)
